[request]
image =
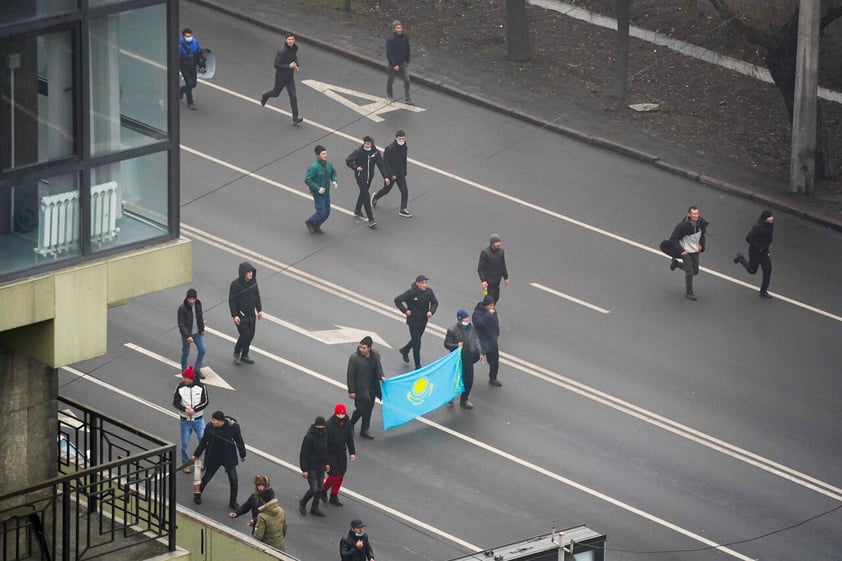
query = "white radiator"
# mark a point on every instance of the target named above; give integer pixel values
(58, 219)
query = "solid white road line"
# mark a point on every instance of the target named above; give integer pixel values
(526, 204)
(532, 369)
(568, 297)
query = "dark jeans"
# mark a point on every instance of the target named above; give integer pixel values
(188, 72)
(246, 331)
(403, 71)
(322, 203)
(315, 479)
(401, 181)
(756, 259)
(492, 356)
(211, 467)
(416, 330)
(467, 375)
(285, 80)
(690, 264)
(363, 408)
(364, 199)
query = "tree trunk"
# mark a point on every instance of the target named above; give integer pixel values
(347, 5)
(517, 31)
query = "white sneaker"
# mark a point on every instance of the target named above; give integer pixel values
(405, 213)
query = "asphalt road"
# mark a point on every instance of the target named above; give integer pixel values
(667, 424)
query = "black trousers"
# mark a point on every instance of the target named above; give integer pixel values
(756, 259)
(494, 291)
(401, 181)
(416, 330)
(285, 80)
(246, 331)
(364, 199)
(363, 406)
(492, 356)
(188, 72)
(467, 376)
(212, 466)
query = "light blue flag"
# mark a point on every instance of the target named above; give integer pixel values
(418, 392)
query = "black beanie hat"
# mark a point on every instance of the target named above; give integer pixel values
(320, 422)
(319, 149)
(191, 293)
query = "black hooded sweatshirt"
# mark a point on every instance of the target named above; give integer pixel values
(759, 237)
(313, 454)
(244, 296)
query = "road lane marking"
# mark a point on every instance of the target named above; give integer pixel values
(568, 297)
(373, 110)
(290, 466)
(211, 377)
(521, 202)
(339, 336)
(532, 369)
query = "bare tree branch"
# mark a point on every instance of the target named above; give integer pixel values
(765, 39)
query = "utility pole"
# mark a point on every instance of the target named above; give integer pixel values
(802, 167)
(622, 68)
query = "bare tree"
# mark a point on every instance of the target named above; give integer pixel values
(780, 41)
(517, 31)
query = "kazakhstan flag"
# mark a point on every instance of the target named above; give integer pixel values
(421, 391)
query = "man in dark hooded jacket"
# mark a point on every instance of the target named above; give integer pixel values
(364, 160)
(221, 442)
(418, 304)
(759, 239)
(463, 335)
(244, 305)
(488, 329)
(492, 267)
(340, 436)
(313, 461)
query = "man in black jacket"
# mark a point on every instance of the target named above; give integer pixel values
(759, 239)
(492, 267)
(313, 461)
(363, 377)
(355, 546)
(418, 304)
(340, 436)
(189, 312)
(394, 160)
(397, 55)
(244, 305)
(464, 336)
(221, 443)
(363, 161)
(488, 329)
(687, 242)
(286, 65)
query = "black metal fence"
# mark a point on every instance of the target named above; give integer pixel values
(114, 492)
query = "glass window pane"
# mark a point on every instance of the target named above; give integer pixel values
(129, 201)
(39, 222)
(13, 11)
(128, 80)
(36, 99)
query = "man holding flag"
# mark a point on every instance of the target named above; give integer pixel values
(464, 336)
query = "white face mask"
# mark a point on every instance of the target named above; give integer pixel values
(466, 323)
(401, 142)
(367, 149)
(359, 534)
(188, 39)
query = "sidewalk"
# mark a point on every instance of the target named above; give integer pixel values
(456, 76)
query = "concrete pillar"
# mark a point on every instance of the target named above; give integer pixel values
(802, 171)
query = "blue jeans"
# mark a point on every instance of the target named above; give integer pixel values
(322, 203)
(197, 426)
(185, 352)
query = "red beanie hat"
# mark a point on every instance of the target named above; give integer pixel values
(340, 409)
(189, 373)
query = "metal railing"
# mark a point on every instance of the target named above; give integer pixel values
(115, 490)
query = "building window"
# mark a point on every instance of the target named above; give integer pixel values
(129, 201)
(37, 99)
(42, 224)
(14, 11)
(128, 84)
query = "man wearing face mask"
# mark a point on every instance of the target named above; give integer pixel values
(190, 56)
(313, 461)
(363, 161)
(464, 336)
(355, 545)
(394, 160)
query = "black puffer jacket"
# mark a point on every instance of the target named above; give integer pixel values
(467, 335)
(243, 295)
(487, 325)
(394, 158)
(348, 550)
(340, 435)
(186, 314)
(222, 443)
(313, 449)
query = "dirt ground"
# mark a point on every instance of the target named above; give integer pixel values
(713, 111)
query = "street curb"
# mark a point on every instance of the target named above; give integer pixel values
(772, 201)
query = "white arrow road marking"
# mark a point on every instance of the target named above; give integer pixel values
(337, 336)
(211, 377)
(568, 297)
(372, 110)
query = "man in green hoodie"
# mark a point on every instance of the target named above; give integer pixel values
(320, 178)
